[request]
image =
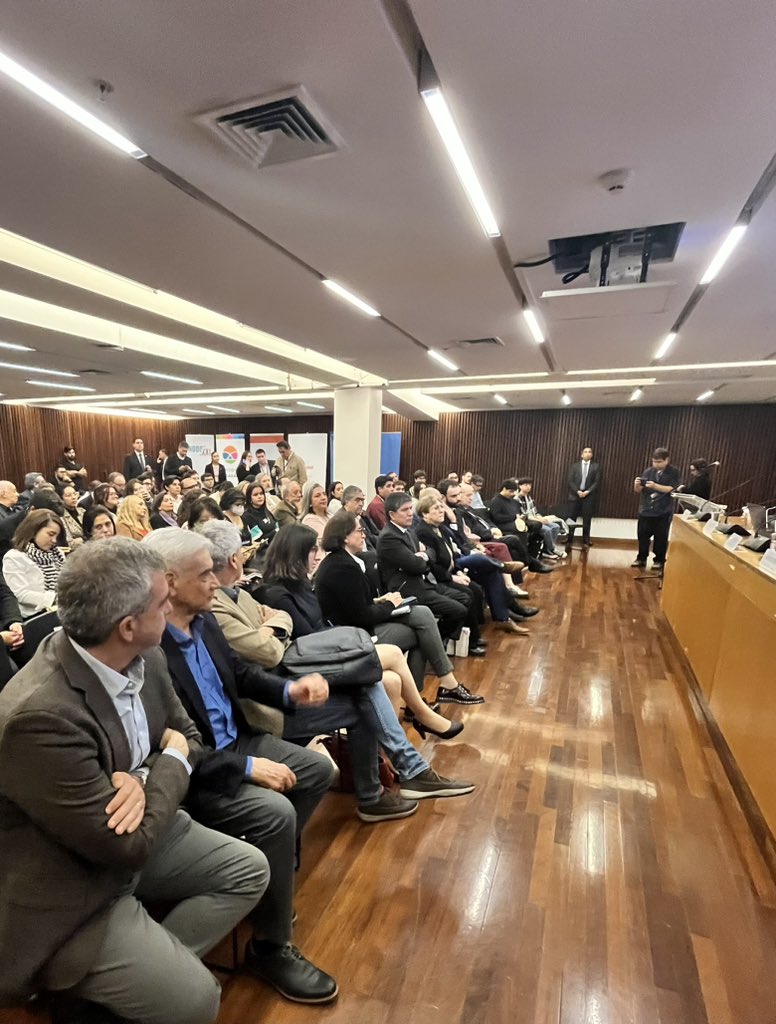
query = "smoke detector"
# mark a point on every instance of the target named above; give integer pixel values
(616, 181)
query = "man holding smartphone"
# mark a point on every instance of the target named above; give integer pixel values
(656, 508)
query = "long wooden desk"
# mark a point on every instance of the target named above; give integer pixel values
(722, 610)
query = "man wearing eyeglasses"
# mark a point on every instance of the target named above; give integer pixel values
(353, 500)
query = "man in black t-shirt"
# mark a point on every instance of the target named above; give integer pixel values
(656, 508)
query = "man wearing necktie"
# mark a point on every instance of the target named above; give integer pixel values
(583, 482)
(135, 463)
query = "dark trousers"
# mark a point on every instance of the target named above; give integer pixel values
(654, 528)
(469, 599)
(446, 608)
(584, 508)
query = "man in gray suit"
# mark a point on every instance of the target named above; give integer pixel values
(95, 757)
(584, 479)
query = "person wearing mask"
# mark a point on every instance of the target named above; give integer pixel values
(384, 486)
(136, 462)
(215, 468)
(133, 519)
(289, 465)
(180, 459)
(163, 514)
(99, 523)
(584, 481)
(699, 483)
(32, 567)
(288, 509)
(233, 507)
(656, 508)
(73, 516)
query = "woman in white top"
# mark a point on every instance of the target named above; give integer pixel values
(335, 497)
(31, 568)
(315, 514)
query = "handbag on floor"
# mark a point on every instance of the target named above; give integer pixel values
(338, 747)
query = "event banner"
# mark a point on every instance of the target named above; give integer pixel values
(269, 443)
(230, 447)
(200, 450)
(312, 448)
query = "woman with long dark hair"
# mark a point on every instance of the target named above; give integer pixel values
(699, 483)
(288, 588)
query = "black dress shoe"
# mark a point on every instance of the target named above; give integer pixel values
(477, 652)
(525, 611)
(458, 695)
(289, 972)
(69, 1010)
(542, 569)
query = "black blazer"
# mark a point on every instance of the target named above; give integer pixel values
(220, 476)
(439, 552)
(221, 770)
(132, 468)
(299, 602)
(400, 567)
(346, 594)
(575, 479)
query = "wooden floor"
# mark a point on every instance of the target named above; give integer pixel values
(601, 873)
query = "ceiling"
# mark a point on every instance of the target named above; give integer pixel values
(547, 96)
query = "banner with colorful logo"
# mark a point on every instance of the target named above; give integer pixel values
(230, 447)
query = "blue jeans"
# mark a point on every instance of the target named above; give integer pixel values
(484, 570)
(368, 715)
(550, 533)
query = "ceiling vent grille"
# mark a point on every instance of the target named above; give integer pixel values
(274, 129)
(474, 342)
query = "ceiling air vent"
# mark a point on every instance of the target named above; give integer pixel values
(274, 129)
(93, 373)
(475, 342)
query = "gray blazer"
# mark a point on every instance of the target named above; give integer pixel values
(60, 864)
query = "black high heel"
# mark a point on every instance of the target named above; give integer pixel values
(448, 734)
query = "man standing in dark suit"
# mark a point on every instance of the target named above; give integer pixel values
(584, 480)
(95, 757)
(136, 462)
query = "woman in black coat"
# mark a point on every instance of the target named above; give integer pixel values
(289, 563)
(699, 483)
(348, 596)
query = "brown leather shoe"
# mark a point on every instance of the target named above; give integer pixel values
(511, 627)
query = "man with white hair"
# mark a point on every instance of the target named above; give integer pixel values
(95, 757)
(252, 785)
(9, 498)
(288, 509)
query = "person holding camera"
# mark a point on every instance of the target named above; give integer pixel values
(656, 508)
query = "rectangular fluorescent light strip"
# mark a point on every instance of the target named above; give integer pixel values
(169, 376)
(636, 394)
(67, 107)
(354, 300)
(36, 369)
(533, 324)
(705, 396)
(448, 132)
(668, 341)
(311, 405)
(734, 237)
(16, 348)
(58, 385)
(145, 412)
(442, 359)
(198, 412)
(501, 400)
(277, 408)
(223, 408)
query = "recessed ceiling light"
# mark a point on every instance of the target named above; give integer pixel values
(565, 399)
(668, 341)
(169, 376)
(501, 400)
(37, 369)
(533, 324)
(68, 107)
(223, 408)
(311, 405)
(636, 394)
(442, 359)
(198, 412)
(56, 384)
(16, 348)
(705, 395)
(277, 408)
(733, 238)
(354, 300)
(464, 168)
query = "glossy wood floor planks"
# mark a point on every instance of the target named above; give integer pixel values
(602, 873)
